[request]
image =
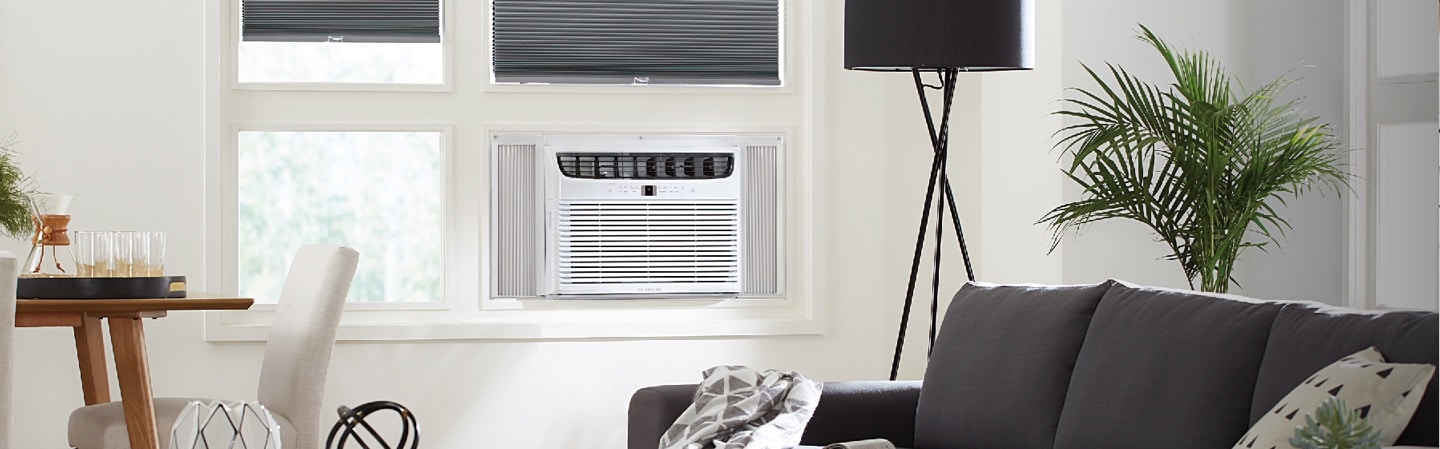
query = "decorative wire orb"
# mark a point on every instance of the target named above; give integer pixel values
(353, 421)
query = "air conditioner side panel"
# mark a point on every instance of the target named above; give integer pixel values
(517, 212)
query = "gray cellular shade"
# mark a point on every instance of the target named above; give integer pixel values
(637, 41)
(340, 20)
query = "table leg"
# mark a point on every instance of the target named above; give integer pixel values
(131, 367)
(90, 349)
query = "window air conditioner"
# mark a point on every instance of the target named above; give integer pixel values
(636, 216)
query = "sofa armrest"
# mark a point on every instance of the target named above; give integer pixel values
(853, 411)
(653, 410)
(848, 411)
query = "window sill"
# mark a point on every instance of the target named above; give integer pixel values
(508, 319)
(340, 87)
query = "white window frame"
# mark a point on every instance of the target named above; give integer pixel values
(467, 311)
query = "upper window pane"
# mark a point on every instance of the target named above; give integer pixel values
(377, 192)
(311, 62)
(340, 41)
(685, 42)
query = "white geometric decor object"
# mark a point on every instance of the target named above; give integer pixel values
(225, 424)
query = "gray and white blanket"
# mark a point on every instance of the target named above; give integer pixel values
(740, 408)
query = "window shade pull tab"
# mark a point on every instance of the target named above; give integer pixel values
(335, 38)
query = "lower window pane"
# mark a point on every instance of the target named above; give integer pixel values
(377, 192)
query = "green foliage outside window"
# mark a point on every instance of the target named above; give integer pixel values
(377, 192)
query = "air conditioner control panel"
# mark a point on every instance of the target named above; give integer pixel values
(646, 190)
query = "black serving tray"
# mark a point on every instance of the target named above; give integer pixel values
(100, 288)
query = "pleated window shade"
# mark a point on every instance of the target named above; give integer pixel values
(391, 21)
(692, 42)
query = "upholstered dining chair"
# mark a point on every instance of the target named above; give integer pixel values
(292, 375)
(9, 270)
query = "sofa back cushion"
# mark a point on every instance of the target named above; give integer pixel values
(1307, 337)
(1165, 368)
(1001, 365)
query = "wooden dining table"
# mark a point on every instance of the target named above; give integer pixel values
(127, 341)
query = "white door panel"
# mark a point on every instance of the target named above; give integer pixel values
(1407, 197)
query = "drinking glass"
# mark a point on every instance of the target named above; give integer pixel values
(123, 253)
(85, 242)
(157, 253)
(139, 253)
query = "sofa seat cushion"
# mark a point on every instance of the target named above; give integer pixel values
(1309, 336)
(1165, 368)
(1385, 394)
(1001, 365)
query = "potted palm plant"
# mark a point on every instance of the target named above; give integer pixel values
(1199, 161)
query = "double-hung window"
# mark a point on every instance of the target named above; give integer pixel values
(369, 124)
(373, 184)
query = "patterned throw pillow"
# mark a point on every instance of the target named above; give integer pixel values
(1386, 394)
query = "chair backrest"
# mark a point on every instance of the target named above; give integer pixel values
(302, 335)
(9, 270)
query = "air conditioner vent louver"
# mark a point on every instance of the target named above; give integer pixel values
(638, 243)
(646, 165)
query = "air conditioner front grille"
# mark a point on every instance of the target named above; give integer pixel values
(648, 243)
(646, 165)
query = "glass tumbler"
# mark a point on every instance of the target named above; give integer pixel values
(122, 253)
(139, 253)
(156, 253)
(93, 251)
(85, 242)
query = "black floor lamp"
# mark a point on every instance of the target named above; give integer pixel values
(944, 37)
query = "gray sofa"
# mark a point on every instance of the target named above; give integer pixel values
(1103, 366)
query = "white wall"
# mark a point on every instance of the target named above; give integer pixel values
(1019, 181)
(1309, 263)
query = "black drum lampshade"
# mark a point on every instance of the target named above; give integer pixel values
(970, 35)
